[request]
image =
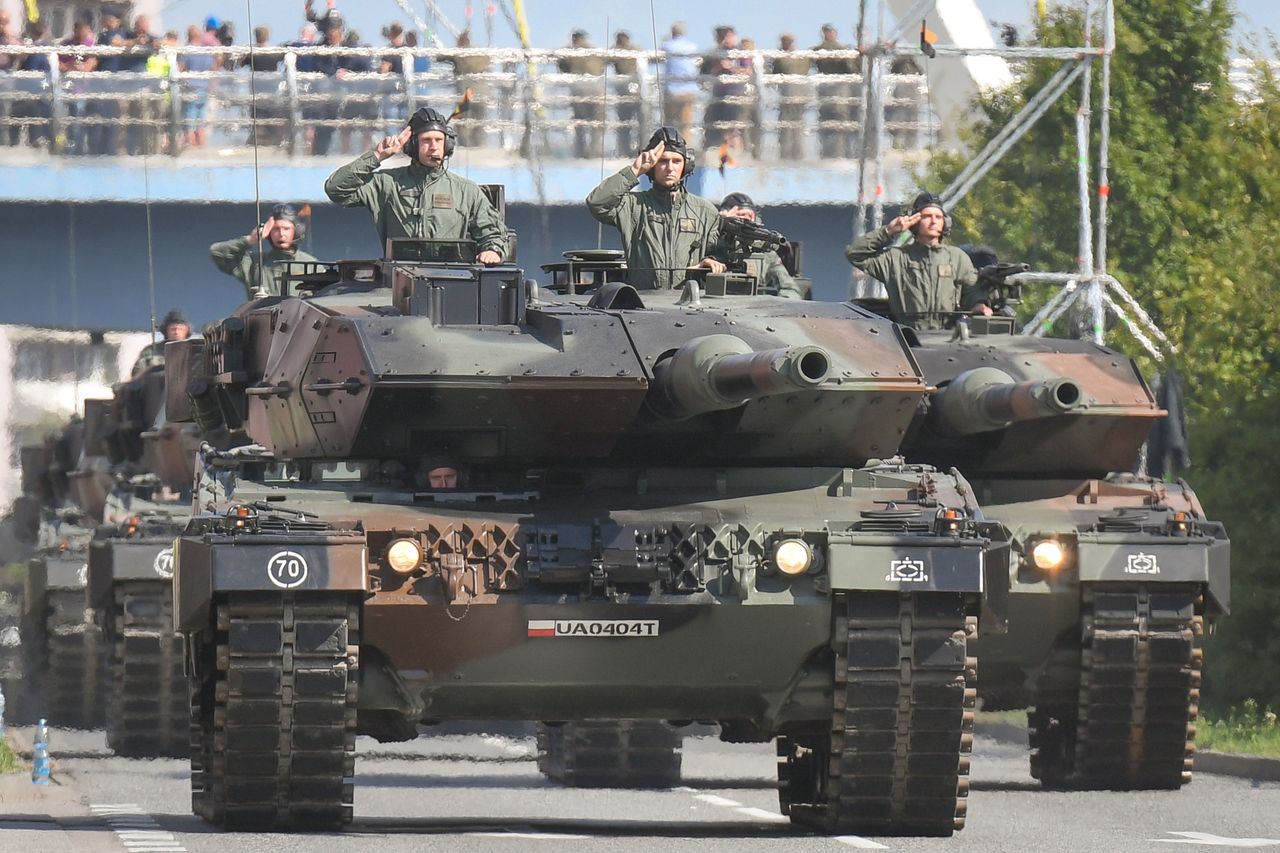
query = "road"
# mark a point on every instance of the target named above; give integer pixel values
(467, 793)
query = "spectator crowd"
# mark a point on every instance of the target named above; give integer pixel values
(350, 98)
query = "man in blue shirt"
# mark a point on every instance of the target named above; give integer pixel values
(679, 80)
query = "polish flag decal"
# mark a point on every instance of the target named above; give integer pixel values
(542, 628)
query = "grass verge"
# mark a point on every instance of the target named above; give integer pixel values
(9, 763)
(1247, 730)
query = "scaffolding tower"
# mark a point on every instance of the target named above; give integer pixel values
(1089, 286)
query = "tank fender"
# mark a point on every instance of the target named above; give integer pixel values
(206, 565)
(1204, 559)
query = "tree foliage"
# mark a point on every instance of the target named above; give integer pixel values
(1195, 205)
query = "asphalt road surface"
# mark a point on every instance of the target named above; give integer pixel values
(465, 793)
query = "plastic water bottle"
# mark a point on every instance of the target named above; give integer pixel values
(1, 713)
(40, 755)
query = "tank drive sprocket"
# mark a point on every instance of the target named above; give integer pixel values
(1132, 726)
(896, 757)
(610, 754)
(274, 711)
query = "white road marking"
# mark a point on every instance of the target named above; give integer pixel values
(712, 799)
(535, 836)
(763, 814)
(136, 829)
(1218, 840)
(861, 843)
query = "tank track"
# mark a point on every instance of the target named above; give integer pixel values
(148, 711)
(1131, 724)
(895, 760)
(610, 754)
(71, 664)
(273, 711)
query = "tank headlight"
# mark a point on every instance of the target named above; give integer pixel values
(793, 557)
(404, 555)
(1049, 555)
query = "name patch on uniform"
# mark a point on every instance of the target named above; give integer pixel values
(945, 270)
(688, 226)
(442, 200)
(593, 627)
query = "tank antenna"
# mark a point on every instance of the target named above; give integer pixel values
(253, 132)
(151, 257)
(604, 130)
(657, 66)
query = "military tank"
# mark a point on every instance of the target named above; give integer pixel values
(1115, 576)
(59, 676)
(130, 569)
(471, 498)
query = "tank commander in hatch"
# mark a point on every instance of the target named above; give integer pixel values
(174, 327)
(422, 200)
(927, 280)
(777, 279)
(262, 273)
(665, 229)
(437, 471)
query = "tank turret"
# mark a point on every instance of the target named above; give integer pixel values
(987, 398)
(720, 372)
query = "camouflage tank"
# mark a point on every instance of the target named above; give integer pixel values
(59, 676)
(474, 499)
(1115, 576)
(130, 569)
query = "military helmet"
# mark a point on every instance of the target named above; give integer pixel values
(424, 119)
(733, 200)
(928, 199)
(290, 212)
(674, 142)
(173, 318)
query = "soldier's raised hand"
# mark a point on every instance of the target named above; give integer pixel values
(648, 158)
(902, 223)
(393, 145)
(263, 232)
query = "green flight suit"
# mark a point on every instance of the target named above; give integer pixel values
(420, 203)
(238, 259)
(662, 233)
(777, 280)
(926, 284)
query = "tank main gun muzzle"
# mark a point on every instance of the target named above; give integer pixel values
(987, 398)
(722, 372)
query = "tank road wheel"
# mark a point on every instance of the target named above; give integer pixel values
(895, 761)
(72, 661)
(149, 702)
(608, 754)
(1133, 724)
(274, 711)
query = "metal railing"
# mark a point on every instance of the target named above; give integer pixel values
(527, 103)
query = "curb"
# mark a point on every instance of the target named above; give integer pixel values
(1254, 767)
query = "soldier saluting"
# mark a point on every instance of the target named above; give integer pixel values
(665, 229)
(422, 200)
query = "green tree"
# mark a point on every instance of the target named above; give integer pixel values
(1195, 202)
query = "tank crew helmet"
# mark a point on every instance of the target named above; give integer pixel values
(927, 199)
(291, 213)
(173, 318)
(733, 200)
(428, 119)
(675, 143)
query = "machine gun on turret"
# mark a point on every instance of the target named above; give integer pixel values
(746, 244)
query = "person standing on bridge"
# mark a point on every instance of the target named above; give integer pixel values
(665, 229)
(259, 267)
(927, 281)
(422, 200)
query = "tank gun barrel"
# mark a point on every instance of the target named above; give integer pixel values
(722, 372)
(986, 399)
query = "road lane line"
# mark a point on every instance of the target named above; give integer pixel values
(137, 830)
(763, 814)
(861, 843)
(1211, 840)
(712, 799)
